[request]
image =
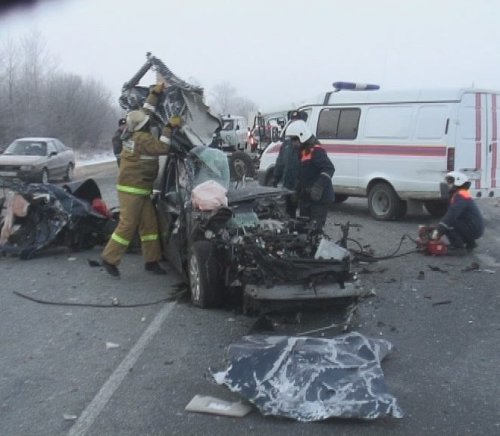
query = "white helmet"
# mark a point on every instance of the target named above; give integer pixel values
(136, 120)
(299, 129)
(456, 178)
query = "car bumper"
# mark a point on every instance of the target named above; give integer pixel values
(299, 292)
(25, 176)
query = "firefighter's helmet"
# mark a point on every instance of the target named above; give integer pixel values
(300, 130)
(456, 178)
(136, 120)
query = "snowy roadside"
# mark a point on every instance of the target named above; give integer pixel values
(85, 159)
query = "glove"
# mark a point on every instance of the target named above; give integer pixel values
(158, 88)
(435, 234)
(319, 186)
(174, 121)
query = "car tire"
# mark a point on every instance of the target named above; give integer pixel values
(69, 173)
(241, 165)
(384, 204)
(205, 278)
(45, 177)
(437, 208)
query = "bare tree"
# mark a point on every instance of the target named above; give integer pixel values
(224, 100)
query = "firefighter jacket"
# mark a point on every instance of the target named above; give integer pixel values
(139, 158)
(464, 213)
(315, 164)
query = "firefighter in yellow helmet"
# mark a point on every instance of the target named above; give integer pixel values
(138, 170)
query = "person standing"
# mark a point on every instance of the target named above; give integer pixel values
(138, 171)
(117, 139)
(287, 168)
(314, 186)
(463, 223)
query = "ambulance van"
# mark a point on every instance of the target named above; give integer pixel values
(395, 147)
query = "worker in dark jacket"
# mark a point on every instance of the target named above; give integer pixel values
(314, 187)
(287, 169)
(117, 139)
(463, 222)
(138, 171)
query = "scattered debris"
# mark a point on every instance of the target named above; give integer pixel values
(68, 417)
(110, 345)
(472, 267)
(93, 263)
(440, 303)
(71, 259)
(437, 269)
(421, 275)
(311, 379)
(216, 406)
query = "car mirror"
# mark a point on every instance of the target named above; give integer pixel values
(52, 153)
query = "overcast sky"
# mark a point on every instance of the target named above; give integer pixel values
(278, 53)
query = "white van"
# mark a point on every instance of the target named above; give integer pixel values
(234, 132)
(396, 147)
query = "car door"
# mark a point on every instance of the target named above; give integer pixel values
(53, 160)
(172, 214)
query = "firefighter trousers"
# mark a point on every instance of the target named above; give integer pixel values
(136, 211)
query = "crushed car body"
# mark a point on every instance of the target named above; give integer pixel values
(36, 216)
(244, 243)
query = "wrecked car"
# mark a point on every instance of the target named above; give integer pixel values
(236, 241)
(36, 216)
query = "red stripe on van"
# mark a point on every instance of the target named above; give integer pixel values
(494, 141)
(381, 150)
(387, 150)
(478, 138)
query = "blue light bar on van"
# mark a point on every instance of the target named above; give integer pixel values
(352, 86)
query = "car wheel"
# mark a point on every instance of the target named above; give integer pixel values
(69, 173)
(241, 165)
(437, 208)
(205, 279)
(45, 176)
(384, 204)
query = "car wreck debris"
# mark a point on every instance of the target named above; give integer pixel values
(311, 379)
(36, 216)
(216, 406)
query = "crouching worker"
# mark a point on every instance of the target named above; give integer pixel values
(138, 170)
(463, 222)
(314, 186)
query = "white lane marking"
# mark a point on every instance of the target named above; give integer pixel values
(92, 411)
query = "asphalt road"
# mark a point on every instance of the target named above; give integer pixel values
(131, 371)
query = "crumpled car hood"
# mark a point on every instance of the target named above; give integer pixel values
(254, 191)
(311, 379)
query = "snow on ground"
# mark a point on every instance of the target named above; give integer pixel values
(83, 159)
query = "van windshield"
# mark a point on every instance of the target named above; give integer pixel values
(228, 125)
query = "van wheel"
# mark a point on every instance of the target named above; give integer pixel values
(205, 279)
(384, 204)
(241, 165)
(437, 208)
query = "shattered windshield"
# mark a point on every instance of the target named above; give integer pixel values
(211, 164)
(27, 148)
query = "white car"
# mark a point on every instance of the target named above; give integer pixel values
(37, 160)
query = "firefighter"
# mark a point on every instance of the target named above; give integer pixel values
(314, 185)
(463, 222)
(117, 139)
(138, 170)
